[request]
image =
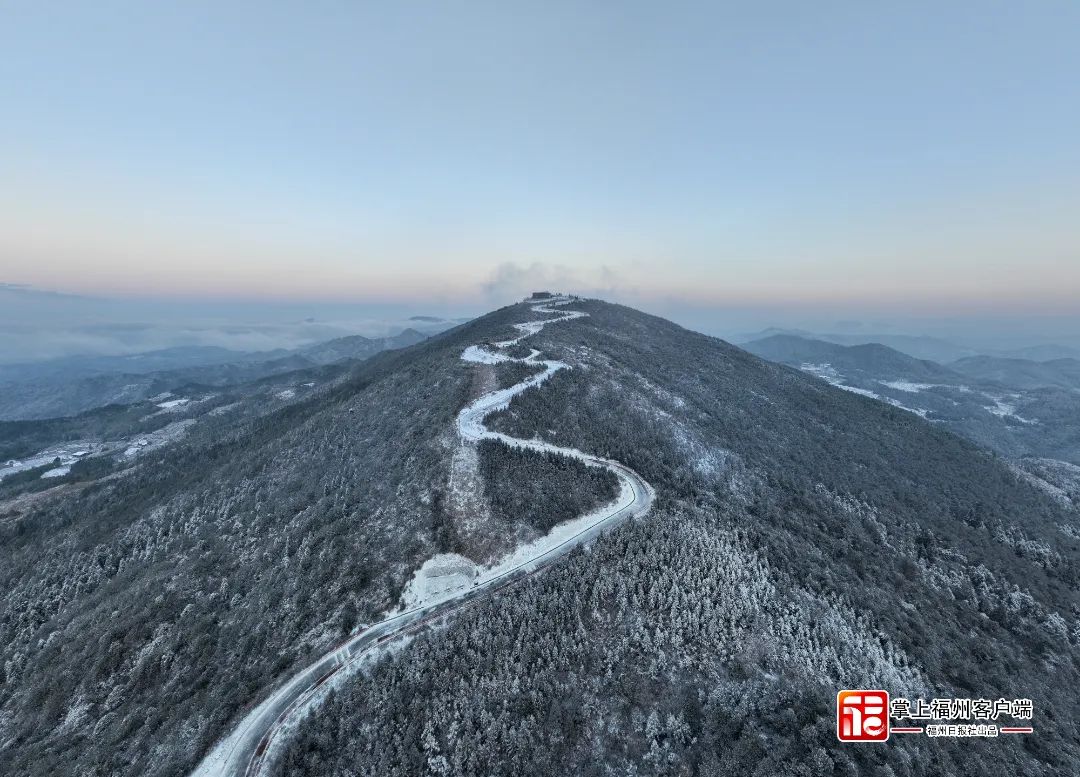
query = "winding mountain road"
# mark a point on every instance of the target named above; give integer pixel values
(259, 736)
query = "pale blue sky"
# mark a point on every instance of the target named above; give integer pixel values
(830, 155)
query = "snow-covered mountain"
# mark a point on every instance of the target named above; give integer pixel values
(803, 539)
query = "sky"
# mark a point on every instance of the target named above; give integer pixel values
(837, 159)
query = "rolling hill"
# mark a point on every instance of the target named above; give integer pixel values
(73, 385)
(1017, 407)
(1021, 373)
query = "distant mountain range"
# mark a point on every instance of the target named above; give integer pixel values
(920, 346)
(1015, 406)
(873, 359)
(63, 387)
(1021, 373)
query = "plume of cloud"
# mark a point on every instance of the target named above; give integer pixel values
(512, 280)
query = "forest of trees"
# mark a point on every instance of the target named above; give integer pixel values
(511, 373)
(672, 648)
(541, 490)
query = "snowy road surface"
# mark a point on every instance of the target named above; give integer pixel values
(260, 735)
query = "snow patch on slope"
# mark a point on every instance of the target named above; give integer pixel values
(67, 453)
(480, 355)
(468, 508)
(173, 403)
(159, 438)
(907, 385)
(1005, 407)
(442, 574)
(705, 459)
(829, 374)
(916, 410)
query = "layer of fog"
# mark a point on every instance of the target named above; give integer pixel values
(37, 325)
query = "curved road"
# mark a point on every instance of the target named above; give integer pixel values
(264, 729)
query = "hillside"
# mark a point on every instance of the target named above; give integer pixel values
(805, 539)
(872, 359)
(358, 347)
(915, 346)
(1021, 373)
(70, 386)
(1014, 406)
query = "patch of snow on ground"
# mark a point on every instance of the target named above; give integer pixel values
(829, 374)
(67, 453)
(856, 390)
(824, 371)
(439, 575)
(916, 410)
(470, 511)
(669, 398)
(158, 438)
(706, 460)
(173, 403)
(906, 385)
(56, 472)
(286, 394)
(480, 355)
(1003, 408)
(582, 528)
(224, 409)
